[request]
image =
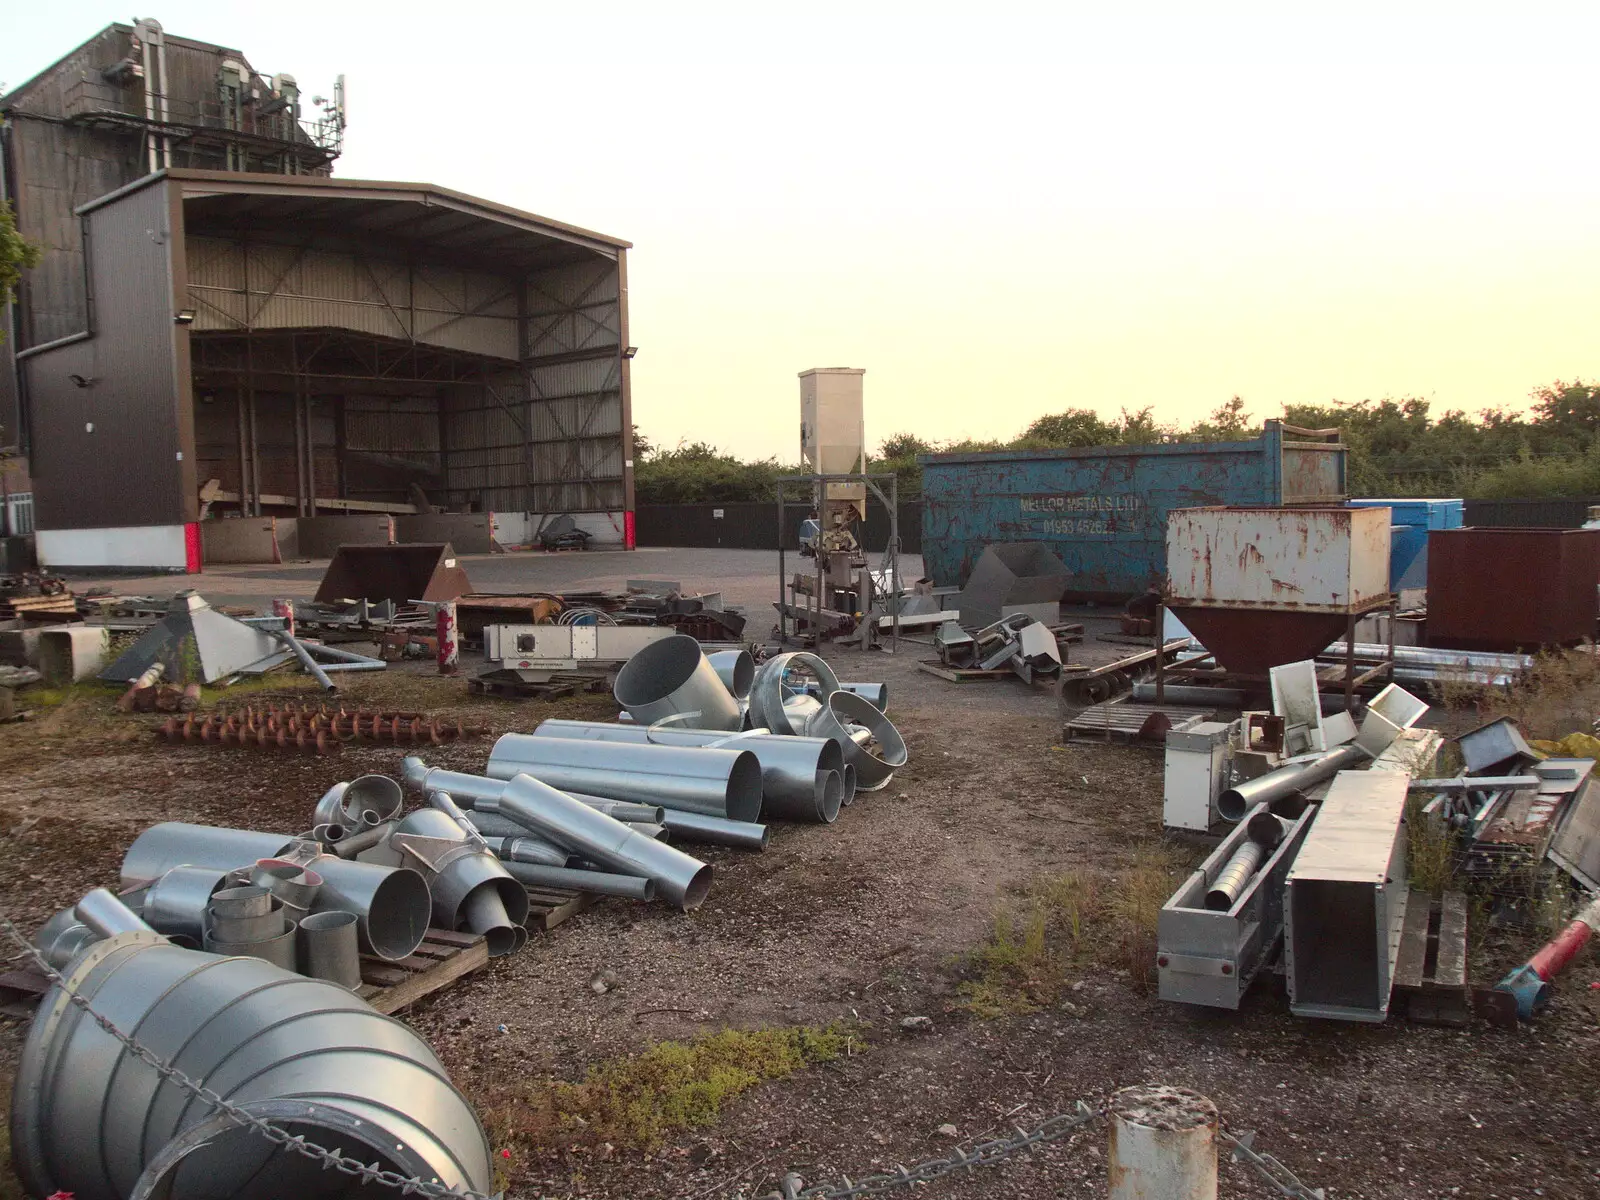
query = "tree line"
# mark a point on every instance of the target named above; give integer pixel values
(1396, 448)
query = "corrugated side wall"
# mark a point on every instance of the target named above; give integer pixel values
(1102, 510)
(106, 455)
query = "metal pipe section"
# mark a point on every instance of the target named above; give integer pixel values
(279, 949)
(672, 677)
(176, 844)
(289, 882)
(715, 831)
(305, 1054)
(176, 903)
(531, 850)
(470, 790)
(791, 767)
(1234, 803)
(629, 887)
(329, 948)
(350, 847)
(1177, 693)
(313, 668)
(62, 937)
(1237, 872)
(874, 769)
(391, 903)
(719, 783)
(106, 916)
(736, 669)
(847, 782)
(323, 650)
(257, 927)
(768, 693)
(681, 880)
(458, 867)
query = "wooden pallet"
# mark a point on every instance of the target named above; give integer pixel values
(20, 993)
(963, 674)
(555, 689)
(1125, 722)
(443, 958)
(1430, 970)
(39, 608)
(549, 907)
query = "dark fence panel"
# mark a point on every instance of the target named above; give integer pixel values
(747, 526)
(1528, 514)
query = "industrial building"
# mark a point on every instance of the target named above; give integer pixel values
(220, 329)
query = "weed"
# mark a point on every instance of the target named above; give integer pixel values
(1558, 695)
(1025, 961)
(673, 1086)
(1137, 895)
(1430, 850)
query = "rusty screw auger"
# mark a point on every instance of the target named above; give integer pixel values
(313, 729)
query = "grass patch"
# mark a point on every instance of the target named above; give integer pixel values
(1025, 962)
(1560, 694)
(1136, 897)
(1430, 850)
(639, 1101)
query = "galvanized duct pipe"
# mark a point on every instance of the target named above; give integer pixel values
(875, 694)
(289, 882)
(176, 903)
(360, 803)
(714, 831)
(91, 1120)
(391, 902)
(719, 783)
(531, 850)
(680, 880)
(768, 693)
(61, 938)
(629, 887)
(672, 677)
(1177, 693)
(1286, 781)
(106, 916)
(792, 768)
(313, 668)
(328, 947)
(847, 786)
(175, 844)
(736, 669)
(468, 790)
(1263, 833)
(874, 769)
(469, 886)
(350, 847)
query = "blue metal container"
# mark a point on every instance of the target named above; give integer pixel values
(1103, 509)
(1408, 535)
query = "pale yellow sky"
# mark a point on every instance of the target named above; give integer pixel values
(1002, 210)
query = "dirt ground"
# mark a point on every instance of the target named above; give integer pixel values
(867, 921)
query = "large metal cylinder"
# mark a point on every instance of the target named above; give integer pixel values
(61, 938)
(791, 767)
(89, 1119)
(1286, 781)
(768, 693)
(601, 883)
(874, 768)
(736, 669)
(719, 783)
(1163, 1145)
(175, 844)
(672, 678)
(458, 874)
(680, 880)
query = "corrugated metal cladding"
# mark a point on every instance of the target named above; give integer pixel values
(243, 285)
(107, 454)
(1528, 514)
(573, 307)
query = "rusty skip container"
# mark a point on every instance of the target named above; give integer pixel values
(1103, 510)
(1512, 589)
(1264, 586)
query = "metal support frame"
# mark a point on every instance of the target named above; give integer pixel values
(889, 566)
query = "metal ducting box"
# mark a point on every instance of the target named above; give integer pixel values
(1345, 900)
(833, 433)
(1512, 589)
(1012, 575)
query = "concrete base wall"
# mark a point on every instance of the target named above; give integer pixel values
(321, 537)
(247, 540)
(468, 533)
(129, 547)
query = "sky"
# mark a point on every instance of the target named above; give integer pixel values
(999, 210)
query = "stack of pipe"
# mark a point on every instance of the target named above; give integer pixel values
(545, 837)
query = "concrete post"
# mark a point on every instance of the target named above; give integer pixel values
(449, 645)
(1163, 1145)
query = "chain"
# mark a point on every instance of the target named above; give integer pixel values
(295, 1143)
(1270, 1169)
(981, 1155)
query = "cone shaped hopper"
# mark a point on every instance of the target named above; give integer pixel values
(415, 571)
(1251, 641)
(195, 643)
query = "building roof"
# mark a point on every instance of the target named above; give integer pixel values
(433, 221)
(9, 99)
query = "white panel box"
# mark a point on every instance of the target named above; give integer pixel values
(833, 432)
(1197, 761)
